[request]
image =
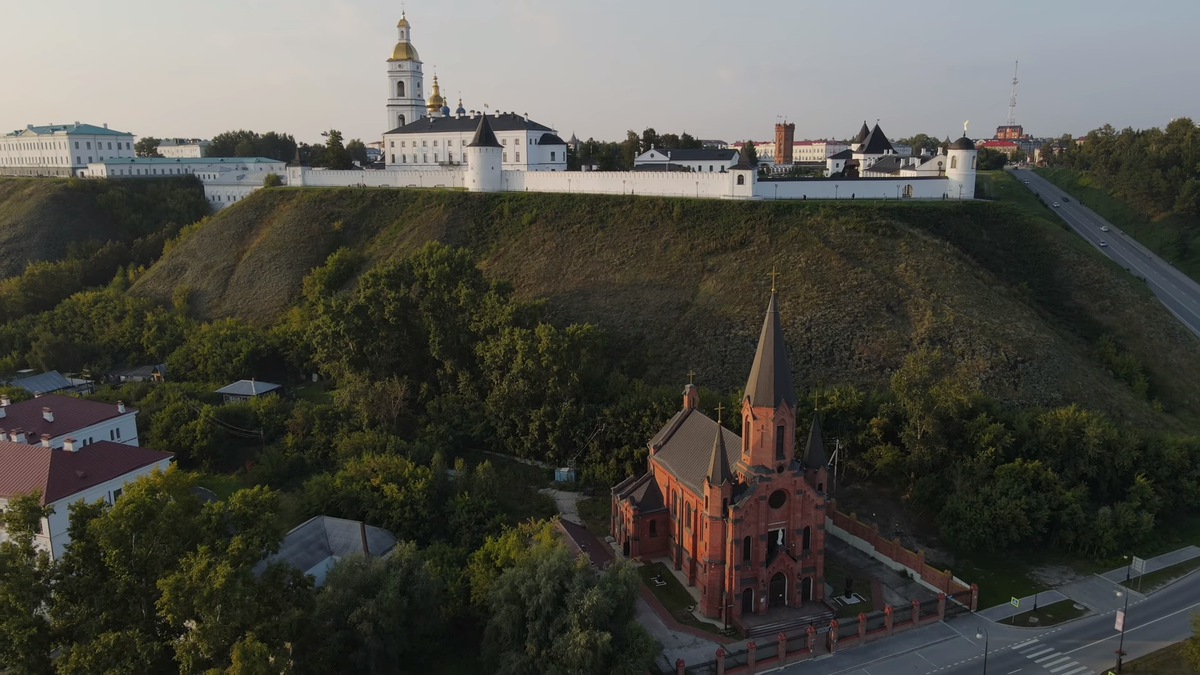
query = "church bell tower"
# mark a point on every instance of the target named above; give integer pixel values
(406, 103)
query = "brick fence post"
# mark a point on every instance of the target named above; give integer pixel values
(887, 619)
(916, 612)
(720, 661)
(782, 649)
(751, 656)
(974, 597)
(812, 639)
(941, 606)
(679, 667)
(833, 634)
(862, 627)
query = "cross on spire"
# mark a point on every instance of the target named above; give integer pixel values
(691, 374)
(774, 276)
(719, 409)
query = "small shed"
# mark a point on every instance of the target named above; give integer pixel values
(317, 544)
(52, 382)
(244, 390)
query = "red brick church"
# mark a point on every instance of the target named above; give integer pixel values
(742, 517)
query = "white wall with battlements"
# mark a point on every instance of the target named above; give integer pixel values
(853, 188)
(655, 183)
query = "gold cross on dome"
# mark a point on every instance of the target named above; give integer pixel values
(965, 127)
(719, 409)
(774, 276)
(691, 374)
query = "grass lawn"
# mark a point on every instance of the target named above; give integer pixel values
(596, 514)
(1166, 661)
(835, 576)
(520, 499)
(673, 596)
(1153, 580)
(999, 579)
(221, 485)
(1047, 615)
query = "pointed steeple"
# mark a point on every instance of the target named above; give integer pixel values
(814, 450)
(718, 464)
(484, 136)
(770, 380)
(862, 133)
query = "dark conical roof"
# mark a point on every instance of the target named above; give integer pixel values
(484, 136)
(876, 143)
(814, 450)
(296, 161)
(718, 463)
(771, 376)
(862, 133)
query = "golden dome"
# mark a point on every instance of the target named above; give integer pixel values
(404, 51)
(436, 101)
(403, 22)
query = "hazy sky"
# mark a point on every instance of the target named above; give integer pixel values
(715, 69)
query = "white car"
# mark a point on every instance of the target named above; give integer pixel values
(1104, 228)
(1103, 243)
(1056, 205)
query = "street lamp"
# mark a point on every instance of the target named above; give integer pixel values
(1124, 619)
(981, 634)
(1128, 567)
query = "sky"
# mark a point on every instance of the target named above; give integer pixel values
(718, 70)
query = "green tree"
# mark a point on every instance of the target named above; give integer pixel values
(749, 153)
(1191, 647)
(147, 146)
(336, 156)
(272, 180)
(555, 615)
(630, 149)
(357, 151)
(25, 582)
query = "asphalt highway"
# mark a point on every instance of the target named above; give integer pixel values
(1085, 646)
(1176, 291)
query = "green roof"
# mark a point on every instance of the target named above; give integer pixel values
(82, 129)
(189, 160)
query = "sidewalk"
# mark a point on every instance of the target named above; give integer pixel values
(1001, 612)
(1155, 564)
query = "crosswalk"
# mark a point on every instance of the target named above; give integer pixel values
(1050, 658)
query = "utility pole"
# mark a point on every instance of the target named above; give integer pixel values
(1012, 102)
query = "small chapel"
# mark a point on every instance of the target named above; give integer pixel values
(742, 517)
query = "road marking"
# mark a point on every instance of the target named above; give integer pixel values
(926, 660)
(1055, 663)
(1138, 627)
(1047, 649)
(1014, 671)
(1024, 644)
(1047, 658)
(1064, 667)
(1077, 670)
(1027, 650)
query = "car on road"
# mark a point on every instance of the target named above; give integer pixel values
(1104, 228)
(1056, 205)
(1103, 243)
(1066, 199)
(1027, 182)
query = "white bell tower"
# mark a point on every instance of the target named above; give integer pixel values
(406, 96)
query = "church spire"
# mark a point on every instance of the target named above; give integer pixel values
(814, 451)
(718, 464)
(770, 380)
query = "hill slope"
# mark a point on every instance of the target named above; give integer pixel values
(681, 284)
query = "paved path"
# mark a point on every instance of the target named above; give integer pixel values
(567, 503)
(1155, 564)
(1001, 612)
(1178, 292)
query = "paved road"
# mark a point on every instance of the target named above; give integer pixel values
(1179, 293)
(1083, 647)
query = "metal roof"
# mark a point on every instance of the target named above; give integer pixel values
(322, 537)
(248, 388)
(770, 380)
(814, 450)
(876, 143)
(70, 414)
(189, 160)
(686, 445)
(466, 123)
(69, 129)
(43, 383)
(59, 473)
(484, 137)
(718, 462)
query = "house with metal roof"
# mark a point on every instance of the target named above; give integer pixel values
(740, 516)
(50, 419)
(704, 159)
(316, 545)
(243, 390)
(72, 473)
(60, 149)
(51, 382)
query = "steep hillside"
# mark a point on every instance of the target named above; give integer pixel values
(43, 219)
(681, 284)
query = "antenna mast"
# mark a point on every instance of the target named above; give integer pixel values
(1012, 102)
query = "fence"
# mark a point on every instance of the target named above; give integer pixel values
(929, 608)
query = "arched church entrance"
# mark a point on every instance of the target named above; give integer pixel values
(747, 601)
(806, 589)
(778, 594)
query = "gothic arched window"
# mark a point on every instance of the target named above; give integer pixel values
(653, 528)
(399, 90)
(746, 545)
(953, 162)
(741, 180)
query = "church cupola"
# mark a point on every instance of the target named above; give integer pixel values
(436, 103)
(405, 103)
(769, 406)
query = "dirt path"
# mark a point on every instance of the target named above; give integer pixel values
(567, 503)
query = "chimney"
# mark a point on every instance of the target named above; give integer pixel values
(45, 440)
(17, 436)
(121, 407)
(5, 401)
(47, 414)
(106, 125)
(37, 394)
(69, 444)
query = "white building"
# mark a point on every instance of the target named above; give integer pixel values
(663, 159)
(53, 418)
(60, 149)
(816, 151)
(183, 147)
(406, 102)
(160, 167)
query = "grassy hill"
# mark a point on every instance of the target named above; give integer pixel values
(681, 284)
(44, 219)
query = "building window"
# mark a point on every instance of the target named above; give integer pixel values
(116, 495)
(435, 155)
(807, 539)
(112, 435)
(779, 441)
(399, 90)
(505, 141)
(954, 162)
(89, 145)
(746, 436)
(118, 433)
(110, 146)
(504, 157)
(972, 162)
(393, 159)
(518, 156)
(746, 549)
(654, 528)
(435, 143)
(424, 144)
(449, 156)
(425, 158)
(551, 155)
(741, 180)
(76, 145)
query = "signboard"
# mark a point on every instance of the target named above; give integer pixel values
(1139, 565)
(1015, 602)
(1120, 621)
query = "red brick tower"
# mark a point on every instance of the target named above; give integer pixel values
(718, 489)
(769, 407)
(785, 139)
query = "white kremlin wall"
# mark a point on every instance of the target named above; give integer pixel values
(656, 183)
